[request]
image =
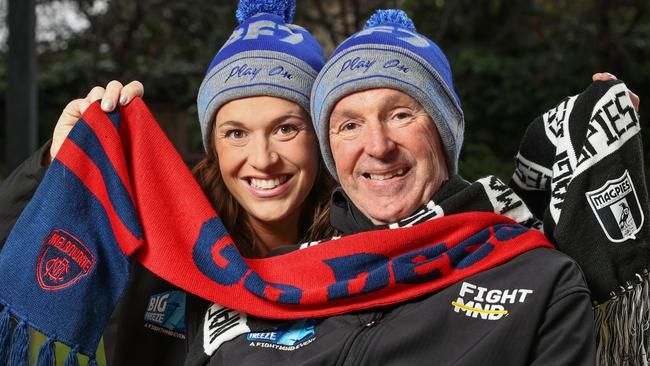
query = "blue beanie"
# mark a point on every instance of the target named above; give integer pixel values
(389, 53)
(265, 55)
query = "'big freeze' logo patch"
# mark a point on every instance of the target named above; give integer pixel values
(166, 313)
(476, 301)
(617, 208)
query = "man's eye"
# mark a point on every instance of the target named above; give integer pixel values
(235, 134)
(349, 126)
(401, 115)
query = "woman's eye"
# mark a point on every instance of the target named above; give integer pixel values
(287, 129)
(235, 134)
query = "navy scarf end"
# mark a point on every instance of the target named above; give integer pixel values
(46, 355)
(19, 345)
(4, 336)
(14, 346)
(72, 360)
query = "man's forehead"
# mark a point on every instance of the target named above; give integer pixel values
(375, 98)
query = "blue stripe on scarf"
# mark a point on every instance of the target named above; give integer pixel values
(84, 137)
(115, 118)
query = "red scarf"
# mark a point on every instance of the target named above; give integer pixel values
(118, 189)
(186, 244)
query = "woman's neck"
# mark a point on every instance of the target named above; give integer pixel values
(272, 235)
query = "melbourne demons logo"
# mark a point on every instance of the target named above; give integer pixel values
(617, 208)
(64, 259)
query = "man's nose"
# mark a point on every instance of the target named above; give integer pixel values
(262, 155)
(378, 142)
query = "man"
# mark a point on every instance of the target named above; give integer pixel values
(391, 129)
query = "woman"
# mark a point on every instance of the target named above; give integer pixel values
(262, 170)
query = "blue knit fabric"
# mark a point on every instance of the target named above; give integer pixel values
(269, 32)
(283, 8)
(46, 355)
(389, 53)
(390, 16)
(265, 55)
(19, 345)
(71, 359)
(60, 309)
(399, 37)
(4, 335)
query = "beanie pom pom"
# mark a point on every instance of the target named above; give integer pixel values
(286, 9)
(390, 16)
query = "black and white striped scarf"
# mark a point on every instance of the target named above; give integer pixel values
(580, 167)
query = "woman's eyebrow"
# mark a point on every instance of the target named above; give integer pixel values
(230, 123)
(286, 117)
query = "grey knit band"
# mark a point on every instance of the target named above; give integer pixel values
(253, 73)
(371, 66)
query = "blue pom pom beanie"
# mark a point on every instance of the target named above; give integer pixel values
(389, 53)
(265, 55)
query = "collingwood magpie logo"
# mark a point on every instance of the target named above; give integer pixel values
(480, 302)
(617, 208)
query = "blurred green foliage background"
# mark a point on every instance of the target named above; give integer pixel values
(511, 60)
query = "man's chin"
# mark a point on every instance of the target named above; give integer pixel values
(387, 206)
(385, 216)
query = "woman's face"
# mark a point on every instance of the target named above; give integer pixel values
(268, 155)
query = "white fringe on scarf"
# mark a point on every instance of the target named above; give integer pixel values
(623, 325)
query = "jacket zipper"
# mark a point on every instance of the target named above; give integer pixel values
(354, 354)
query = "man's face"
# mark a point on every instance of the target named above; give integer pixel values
(388, 154)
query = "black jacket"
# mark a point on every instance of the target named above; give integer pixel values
(549, 321)
(147, 327)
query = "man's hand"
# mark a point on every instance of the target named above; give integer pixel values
(114, 93)
(603, 76)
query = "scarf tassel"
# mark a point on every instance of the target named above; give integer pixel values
(46, 355)
(4, 336)
(72, 359)
(623, 325)
(19, 345)
(15, 352)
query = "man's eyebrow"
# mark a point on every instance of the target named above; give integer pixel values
(347, 112)
(398, 98)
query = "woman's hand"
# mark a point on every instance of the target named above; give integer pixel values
(603, 76)
(114, 93)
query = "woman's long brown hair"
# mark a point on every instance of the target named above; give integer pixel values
(314, 218)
